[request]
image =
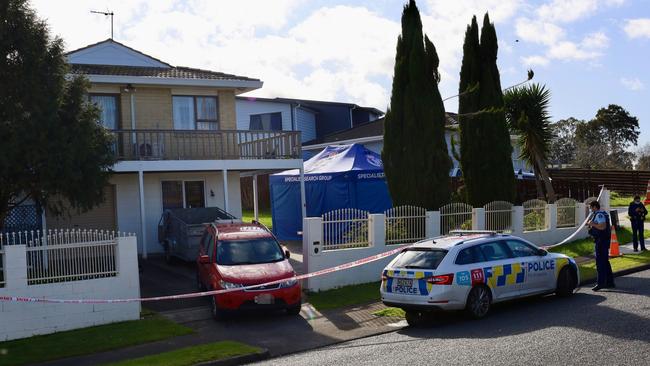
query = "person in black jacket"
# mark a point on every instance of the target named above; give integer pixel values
(637, 213)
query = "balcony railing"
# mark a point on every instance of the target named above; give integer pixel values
(206, 145)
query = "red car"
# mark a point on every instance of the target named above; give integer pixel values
(235, 255)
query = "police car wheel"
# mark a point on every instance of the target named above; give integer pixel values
(478, 302)
(414, 318)
(566, 282)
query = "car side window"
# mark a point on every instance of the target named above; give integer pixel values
(521, 249)
(494, 251)
(470, 255)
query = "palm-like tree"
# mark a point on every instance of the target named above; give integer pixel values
(527, 114)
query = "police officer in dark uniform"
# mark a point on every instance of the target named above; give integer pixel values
(637, 213)
(600, 230)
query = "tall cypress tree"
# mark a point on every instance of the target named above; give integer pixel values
(486, 152)
(415, 156)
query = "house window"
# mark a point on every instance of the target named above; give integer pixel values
(266, 122)
(183, 194)
(195, 113)
(109, 112)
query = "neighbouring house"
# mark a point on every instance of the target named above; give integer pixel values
(371, 135)
(177, 140)
(314, 119)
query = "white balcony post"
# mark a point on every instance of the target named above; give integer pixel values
(478, 218)
(377, 230)
(255, 206)
(432, 224)
(303, 200)
(517, 220)
(143, 224)
(226, 207)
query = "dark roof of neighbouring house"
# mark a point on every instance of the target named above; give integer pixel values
(368, 129)
(178, 72)
(174, 72)
(308, 101)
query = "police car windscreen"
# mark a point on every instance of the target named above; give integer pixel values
(254, 251)
(420, 258)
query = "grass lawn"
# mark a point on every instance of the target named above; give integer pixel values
(393, 312)
(615, 200)
(588, 270)
(344, 296)
(193, 355)
(78, 342)
(585, 247)
(264, 216)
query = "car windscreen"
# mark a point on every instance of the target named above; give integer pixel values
(251, 251)
(423, 258)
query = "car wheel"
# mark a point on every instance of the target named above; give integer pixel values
(294, 310)
(169, 258)
(217, 313)
(567, 281)
(478, 302)
(414, 318)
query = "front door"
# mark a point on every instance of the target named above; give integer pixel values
(502, 272)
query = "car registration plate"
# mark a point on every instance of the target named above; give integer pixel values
(264, 299)
(405, 286)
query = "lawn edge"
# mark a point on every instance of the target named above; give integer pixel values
(239, 360)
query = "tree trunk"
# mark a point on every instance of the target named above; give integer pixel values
(550, 192)
(538, 183)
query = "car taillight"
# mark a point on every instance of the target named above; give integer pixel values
(447, 279)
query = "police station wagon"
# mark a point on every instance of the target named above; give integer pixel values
(472, 270)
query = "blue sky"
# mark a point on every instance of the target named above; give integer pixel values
(589, 53)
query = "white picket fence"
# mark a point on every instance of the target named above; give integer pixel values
(345, 228)
(498, 216)
(535, 214)
(67, 255)
(405, 224)
(455, 216)
(566, 212)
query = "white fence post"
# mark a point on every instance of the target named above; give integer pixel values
(580, 213)
(432, 224)
(551, 216)
(478, 214)
(312, 238)
(15, 266)
(604, 200)
(377, 230)
(518, 220)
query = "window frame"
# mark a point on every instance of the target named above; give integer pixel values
(504, 246)
(198, 120)
(535, 249)
(250, 116)
(162, 198)
(118, 107)
(475, 248)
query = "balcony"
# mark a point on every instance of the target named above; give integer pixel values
(206, 144)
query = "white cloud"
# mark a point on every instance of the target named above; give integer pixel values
(538, 31)
(535, 60)
(567, 10)
(633, 84)
(597, 40)
(637, 28)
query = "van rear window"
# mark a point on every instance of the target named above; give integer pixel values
(420, 258)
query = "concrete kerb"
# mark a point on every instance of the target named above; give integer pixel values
(624, 272)
(239, 360)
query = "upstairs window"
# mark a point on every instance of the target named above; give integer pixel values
(266, 122)
(195, 113)
(109, 112)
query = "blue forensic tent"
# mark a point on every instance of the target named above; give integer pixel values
(340, 176)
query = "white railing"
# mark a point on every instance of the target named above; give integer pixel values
(535, 215)
(566, 212)
(498, 216)
(345, 228)
(67, 255)
(455, 216)
(405, 224)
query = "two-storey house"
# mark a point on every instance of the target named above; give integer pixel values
(176, 139)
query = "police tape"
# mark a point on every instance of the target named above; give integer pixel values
(580, 227)
(357, 263)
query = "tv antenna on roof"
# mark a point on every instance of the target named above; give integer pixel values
(107, 13)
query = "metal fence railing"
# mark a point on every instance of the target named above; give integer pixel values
(455, 216)
(498, 216)
(2, 268)
(67, 255)
(566, 212)
(535, 213)
(345, 228)
(405, 224)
